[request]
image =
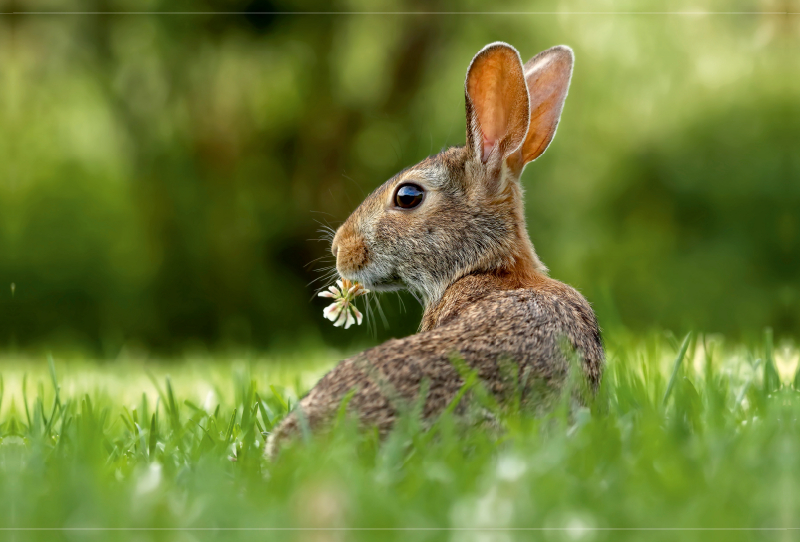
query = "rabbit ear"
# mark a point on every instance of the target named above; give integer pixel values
(497, 105)
(547, 76)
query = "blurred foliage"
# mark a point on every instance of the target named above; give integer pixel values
(163, 177)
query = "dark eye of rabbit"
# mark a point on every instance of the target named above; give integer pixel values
(409, 196)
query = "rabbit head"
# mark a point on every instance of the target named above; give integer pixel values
(461, 211)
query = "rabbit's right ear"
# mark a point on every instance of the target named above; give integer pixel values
(497, 107)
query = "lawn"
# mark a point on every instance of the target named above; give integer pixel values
(102, 450)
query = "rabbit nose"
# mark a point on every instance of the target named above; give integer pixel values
(335, 243)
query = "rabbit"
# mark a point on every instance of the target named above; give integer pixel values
(452, 230)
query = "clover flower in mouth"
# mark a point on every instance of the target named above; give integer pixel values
(343, 312)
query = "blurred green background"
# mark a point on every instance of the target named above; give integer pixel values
(164, 177)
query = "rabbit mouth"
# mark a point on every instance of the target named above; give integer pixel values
(386, 286)
(377, 282)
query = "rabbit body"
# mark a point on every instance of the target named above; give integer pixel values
(452, 229)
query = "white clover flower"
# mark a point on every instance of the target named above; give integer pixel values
(342, 312)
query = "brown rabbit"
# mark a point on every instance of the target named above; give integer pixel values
(452, 229)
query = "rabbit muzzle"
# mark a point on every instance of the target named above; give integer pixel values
(350, 250)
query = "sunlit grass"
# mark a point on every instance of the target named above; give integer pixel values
(682, 434)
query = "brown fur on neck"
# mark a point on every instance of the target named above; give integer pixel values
(524, 270)
(471, 288)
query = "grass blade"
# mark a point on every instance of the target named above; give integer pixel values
(771, 379)
(25, 399)
(151, 448)
(743, 392)
(676, 367)
(264, 415)
(229, 431)
(172, 407)
(52, 366)
(280, 399)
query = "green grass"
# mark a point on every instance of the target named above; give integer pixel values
(712, 441)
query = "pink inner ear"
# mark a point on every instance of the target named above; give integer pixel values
(499, 99)
(488, 145)
(495, 125)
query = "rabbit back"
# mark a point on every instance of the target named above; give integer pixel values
(523, 328)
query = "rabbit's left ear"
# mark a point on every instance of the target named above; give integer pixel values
(498, 109)
(547, 76)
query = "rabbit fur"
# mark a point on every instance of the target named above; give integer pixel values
(465, 251)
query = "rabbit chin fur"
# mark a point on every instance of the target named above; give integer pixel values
(466, 252)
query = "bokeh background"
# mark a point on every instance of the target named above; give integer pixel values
(164, 177)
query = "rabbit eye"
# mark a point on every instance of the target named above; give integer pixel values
(409, 196)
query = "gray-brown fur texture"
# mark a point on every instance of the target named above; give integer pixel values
(466, 253)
